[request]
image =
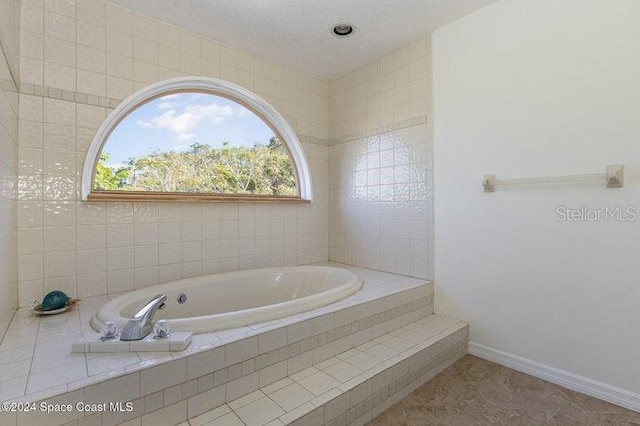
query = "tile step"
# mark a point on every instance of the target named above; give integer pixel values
(375, 326)
(354, 386)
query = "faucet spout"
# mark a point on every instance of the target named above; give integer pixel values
(141, 325)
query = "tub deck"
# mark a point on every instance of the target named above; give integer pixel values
(36, 360)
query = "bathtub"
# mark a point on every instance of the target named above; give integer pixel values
(234, 299)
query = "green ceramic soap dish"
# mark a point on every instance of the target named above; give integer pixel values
(56, 302)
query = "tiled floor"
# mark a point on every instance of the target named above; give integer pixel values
(475, 392)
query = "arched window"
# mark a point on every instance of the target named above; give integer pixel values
(195, 139)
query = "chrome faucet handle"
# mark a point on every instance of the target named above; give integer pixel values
(161, 329)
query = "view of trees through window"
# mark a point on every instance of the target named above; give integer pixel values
(195, 143)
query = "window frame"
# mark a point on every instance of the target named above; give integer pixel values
(216, 87)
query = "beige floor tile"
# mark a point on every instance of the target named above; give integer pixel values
(476, 392)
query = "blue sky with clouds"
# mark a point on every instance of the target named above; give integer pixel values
(176, 121)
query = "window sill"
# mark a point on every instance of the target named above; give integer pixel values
(159, 197)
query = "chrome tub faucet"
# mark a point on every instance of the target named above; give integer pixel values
(141, 325)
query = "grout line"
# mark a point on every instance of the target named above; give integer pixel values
(16, 83)
(35, 345)
(4, 335)
(272, 400)
(86, 360)
(398, 125)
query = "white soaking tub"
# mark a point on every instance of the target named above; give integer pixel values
(234, 299)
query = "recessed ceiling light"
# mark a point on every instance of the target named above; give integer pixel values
(343, 29)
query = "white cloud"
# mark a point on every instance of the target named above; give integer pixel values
(178, 123)
(183, 123)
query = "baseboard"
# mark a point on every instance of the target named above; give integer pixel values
(612, 394)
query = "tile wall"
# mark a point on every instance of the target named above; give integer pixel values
(370, 129)
(9, 98)
(381, 164)
(79, 59)
(10, 34)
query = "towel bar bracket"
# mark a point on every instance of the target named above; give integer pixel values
(615, 176)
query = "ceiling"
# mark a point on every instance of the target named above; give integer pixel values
(297, 32)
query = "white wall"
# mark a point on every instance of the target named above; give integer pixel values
(527, 88)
